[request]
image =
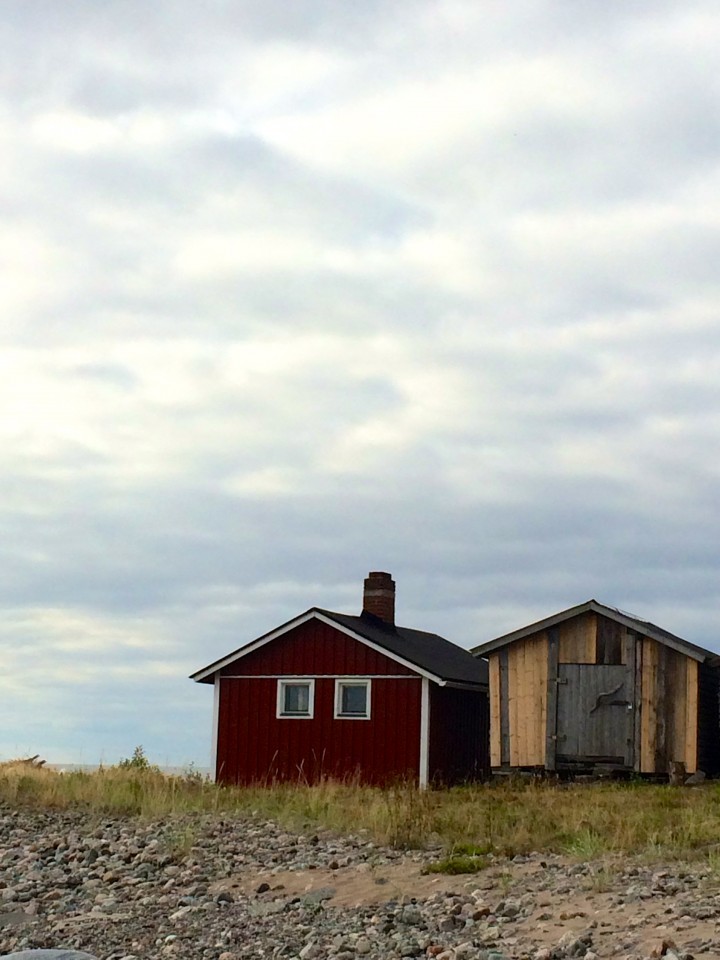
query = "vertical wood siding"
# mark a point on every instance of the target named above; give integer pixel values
(311, 649)
(459, 735)
(527, 700)
(577, 639)
(674, 699)
(256, 746)
(495, 721)
(668, 708)
(648, 710)
(690, 715)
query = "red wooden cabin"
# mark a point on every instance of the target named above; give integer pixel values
(334, 695)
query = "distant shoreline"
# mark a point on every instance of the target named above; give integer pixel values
(91, 767)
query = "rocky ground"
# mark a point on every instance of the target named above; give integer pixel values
(232, 889)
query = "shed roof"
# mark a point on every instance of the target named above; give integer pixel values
(427, 653)
(643, 627)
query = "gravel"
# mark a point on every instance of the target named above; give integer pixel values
(204, 888)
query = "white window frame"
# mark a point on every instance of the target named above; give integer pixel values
(352, 682)
(282, 686)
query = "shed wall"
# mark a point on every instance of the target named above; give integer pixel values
(522, 710)
(576, 639)
(674, 698)
(668, 708)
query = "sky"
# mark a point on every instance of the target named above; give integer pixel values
(295, 291)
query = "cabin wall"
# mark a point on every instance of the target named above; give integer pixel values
(459, 735)
(311, 649)
(708, 745)
(255, 746)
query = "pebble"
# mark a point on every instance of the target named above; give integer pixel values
(126, 889)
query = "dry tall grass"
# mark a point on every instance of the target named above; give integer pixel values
(589, 820)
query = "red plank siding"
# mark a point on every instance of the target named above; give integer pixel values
(311, 649)
(255, 746)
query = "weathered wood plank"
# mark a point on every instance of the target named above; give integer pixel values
(691, 721)
(649, 711)
(504, 708)
(523, 725)
(676, 706)
(540, 688)
(513, 704)
(551, 698)
(577, 638)
(530, 715)
(628, 658)
(526, 705)
(590, 652)
(638, 700)
(661, 709)
(495, 723)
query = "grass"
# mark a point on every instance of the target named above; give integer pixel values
(589, 821)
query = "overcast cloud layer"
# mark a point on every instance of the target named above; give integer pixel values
(294, 291)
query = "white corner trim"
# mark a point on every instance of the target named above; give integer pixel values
(215, 728)
(281, 685)
(340, 682)
(424, 734)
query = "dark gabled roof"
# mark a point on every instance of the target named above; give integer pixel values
(643, 627)
(431, 654)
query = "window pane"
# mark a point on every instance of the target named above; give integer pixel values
(353, 700)
(297, 698)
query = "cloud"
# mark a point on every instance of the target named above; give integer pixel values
(293, 293)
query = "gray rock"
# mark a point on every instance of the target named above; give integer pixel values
(48, 955)
(317, 896)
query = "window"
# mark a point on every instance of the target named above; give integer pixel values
(296, 698)
(352, 699)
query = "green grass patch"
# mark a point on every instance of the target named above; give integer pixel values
(456, 865)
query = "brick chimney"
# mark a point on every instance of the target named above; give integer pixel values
(379, 596)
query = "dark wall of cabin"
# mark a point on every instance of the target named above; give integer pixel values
(459, 748)
(708, 719)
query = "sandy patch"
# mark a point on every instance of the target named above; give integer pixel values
(354, 886)
(553, 914)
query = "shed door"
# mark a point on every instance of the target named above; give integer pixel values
(594, 713)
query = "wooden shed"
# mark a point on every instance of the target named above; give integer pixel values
(596, 689)
(338, 695)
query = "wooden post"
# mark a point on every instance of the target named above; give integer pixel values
(637, 701)
(552, 692)
(629, 655)
(504, 709)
